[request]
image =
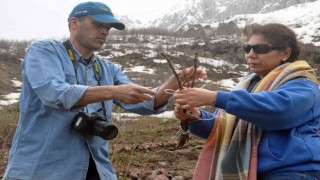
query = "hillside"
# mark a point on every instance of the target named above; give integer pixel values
(146, 146)
(304, 19)
(211, 11)
(11, 54)
(137, 53)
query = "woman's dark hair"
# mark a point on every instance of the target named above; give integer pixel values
(277, 35)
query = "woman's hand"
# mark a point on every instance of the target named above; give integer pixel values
(183, 114)
(195, 97)
(186, 75)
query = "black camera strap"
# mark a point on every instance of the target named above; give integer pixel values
(67, 44)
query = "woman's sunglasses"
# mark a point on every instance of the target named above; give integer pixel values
(260, 48)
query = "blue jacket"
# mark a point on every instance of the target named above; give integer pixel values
(44, 145)
(289, 117)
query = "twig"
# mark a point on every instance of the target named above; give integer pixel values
(184, 136)
(174, 71)
(195, 62)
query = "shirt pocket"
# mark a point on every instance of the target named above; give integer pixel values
(70, 78)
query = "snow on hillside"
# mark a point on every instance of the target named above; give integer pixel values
(304, 19)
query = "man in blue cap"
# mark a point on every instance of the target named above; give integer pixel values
(64, 83)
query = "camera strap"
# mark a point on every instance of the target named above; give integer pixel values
(67, 44)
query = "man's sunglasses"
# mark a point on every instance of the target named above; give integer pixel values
(260, 48)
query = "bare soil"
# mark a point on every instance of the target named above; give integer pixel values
(145, 148)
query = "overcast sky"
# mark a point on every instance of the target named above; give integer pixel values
(29, 19)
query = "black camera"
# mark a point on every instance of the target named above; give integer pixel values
(94, 124)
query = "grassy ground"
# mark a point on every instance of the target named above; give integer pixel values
(8, 119)
(144, 147)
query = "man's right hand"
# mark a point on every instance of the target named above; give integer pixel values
(126, 93)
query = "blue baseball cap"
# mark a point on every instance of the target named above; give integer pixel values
(98, 12)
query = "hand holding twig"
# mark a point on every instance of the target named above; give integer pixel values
(184, 137)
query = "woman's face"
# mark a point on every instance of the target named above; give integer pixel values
(264, 62)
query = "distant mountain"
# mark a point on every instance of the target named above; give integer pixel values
(207, 11)
(303, 18)
(130, 23)
(301, 15)
(199, 16)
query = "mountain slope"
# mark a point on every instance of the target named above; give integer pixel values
(304, 19)
(206, 11)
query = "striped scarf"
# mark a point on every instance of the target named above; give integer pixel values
(230, 151)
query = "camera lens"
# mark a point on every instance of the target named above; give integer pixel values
(105, 131)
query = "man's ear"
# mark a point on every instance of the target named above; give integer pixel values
(74, 23)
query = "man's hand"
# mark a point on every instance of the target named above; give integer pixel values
(132, 94)
(127, 93)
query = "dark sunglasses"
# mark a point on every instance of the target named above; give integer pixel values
(260, 48)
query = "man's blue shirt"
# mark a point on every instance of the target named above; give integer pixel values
(45, 146)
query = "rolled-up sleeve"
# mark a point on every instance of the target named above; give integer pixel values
(144, 108)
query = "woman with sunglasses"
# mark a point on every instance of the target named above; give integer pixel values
(267, 127)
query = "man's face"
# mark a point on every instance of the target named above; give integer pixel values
(91, 34)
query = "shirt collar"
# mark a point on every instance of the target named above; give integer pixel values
(79, 57)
